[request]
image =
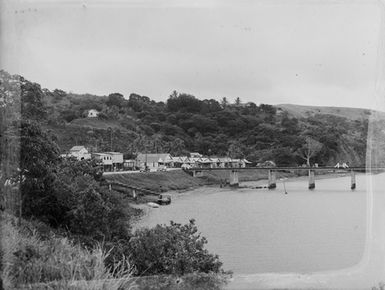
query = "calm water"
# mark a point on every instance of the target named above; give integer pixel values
(257, 230)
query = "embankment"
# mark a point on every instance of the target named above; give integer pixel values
(160, 181)
(181, 180)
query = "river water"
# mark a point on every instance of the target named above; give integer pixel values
(261, 230)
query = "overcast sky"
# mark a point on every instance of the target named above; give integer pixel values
(302, 52)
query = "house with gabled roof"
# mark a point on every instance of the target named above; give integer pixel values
(92, 113)
(111, 161)
(153, 161)
(79, 152)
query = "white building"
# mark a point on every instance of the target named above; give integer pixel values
(153, 161)
(92, 113)
(79, 152)
(195, 155)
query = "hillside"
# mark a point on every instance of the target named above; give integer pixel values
(185, 124)
(299, 111)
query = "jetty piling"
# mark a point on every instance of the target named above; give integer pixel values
(311, 179)
(234, 180)
(353, 180)
(272, 179)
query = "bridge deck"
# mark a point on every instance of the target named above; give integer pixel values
(359, 168)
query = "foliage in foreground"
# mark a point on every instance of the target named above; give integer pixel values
(174, 249)
(192, 281)
(55, 263)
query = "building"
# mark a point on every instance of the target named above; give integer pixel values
(79, 152)
(179, 161)
(104, 160)
(244, 163)
(195, 155)
(117, 160)
(129, 164)
(194, 161)
(111, 161)
(224, 162)
(153, 161)
(92, 113)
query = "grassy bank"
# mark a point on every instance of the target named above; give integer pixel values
(180, 180)
(32, 257)
(161, 181)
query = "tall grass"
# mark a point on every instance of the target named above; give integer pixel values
(29, 261)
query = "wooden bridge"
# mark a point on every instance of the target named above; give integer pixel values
(272, 179)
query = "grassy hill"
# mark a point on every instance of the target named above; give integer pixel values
(299, 111)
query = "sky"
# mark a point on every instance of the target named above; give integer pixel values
(326, 53)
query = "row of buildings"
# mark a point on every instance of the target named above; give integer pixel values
(154, 161)
(113, 161)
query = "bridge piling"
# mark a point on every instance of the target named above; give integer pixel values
(311, 179)
(272, 179)
(234, 180)
(353, 180)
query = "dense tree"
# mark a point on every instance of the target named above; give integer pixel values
(115, 99)
(178, 147)
(39, 156)
(172, 249)
(235, 150)
(184, 103)
(32, 106)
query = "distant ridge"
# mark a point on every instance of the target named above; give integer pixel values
(300, 111)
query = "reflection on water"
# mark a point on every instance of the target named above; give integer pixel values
(257, 230)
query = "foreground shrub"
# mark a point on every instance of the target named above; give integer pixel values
(175, 249)
(192, 281)
(55, 263)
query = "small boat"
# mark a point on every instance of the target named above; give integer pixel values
(153, 204)
(164, 199)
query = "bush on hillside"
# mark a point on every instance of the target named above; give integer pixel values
(90, 212)
(174, 249)
(65, 193)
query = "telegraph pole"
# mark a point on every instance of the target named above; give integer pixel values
(109, 128)
(145, 165)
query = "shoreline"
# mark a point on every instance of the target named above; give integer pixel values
(246, 184)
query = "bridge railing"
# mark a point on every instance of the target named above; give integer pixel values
(355, 168)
